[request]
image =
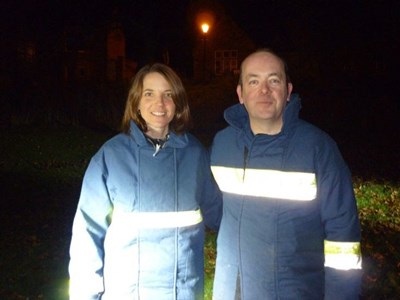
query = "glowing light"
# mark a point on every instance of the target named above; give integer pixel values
(205, 27)
(205, 21)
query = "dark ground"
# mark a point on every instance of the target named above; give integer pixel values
(40, 178)
(36, 228)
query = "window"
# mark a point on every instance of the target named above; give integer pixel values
(225, 61)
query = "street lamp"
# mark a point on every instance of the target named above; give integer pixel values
(204, 28)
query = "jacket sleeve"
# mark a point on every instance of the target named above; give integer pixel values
(89, 229)
(211, 202)
(342, 228)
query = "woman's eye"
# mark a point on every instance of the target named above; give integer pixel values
(147, 94)
(168, 95)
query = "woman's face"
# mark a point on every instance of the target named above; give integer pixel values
(156, 105)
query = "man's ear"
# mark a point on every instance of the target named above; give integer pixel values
(289, 90)
(239, 93)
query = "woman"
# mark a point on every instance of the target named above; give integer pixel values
(138, 232)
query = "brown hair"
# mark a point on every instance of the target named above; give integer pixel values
(181, 121)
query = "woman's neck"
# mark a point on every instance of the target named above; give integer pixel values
(159, 135)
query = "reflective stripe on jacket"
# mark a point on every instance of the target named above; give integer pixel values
(138, 231)
(290, 227)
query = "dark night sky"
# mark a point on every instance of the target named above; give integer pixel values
(329, 32)
(333, 31)
(340, 31)
(152, 25)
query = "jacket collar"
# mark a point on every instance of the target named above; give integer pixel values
(174, 141)
(237, 116)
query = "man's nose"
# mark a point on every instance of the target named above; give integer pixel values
(266, 88)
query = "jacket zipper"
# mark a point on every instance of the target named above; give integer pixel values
(245, 160)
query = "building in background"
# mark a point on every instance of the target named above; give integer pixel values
(97, 56)
(220, 50)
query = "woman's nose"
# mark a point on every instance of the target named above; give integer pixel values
(160, 99)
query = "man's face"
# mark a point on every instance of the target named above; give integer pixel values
(264, 92)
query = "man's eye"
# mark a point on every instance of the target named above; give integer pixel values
(275, 81)
(253, 82)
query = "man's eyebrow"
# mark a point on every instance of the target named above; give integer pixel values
(275, 74)
(252, 75)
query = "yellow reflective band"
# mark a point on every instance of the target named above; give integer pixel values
(342, 255)
(158, 219)
(297, 186)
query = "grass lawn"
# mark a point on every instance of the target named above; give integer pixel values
(40, 175)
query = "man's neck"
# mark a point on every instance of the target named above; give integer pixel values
(270, 128)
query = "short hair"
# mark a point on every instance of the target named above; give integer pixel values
(182, 119)
(270, 51)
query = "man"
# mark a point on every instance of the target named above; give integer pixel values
(290, 227)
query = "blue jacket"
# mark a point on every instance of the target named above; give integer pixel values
(138, 232)
(290, 227)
